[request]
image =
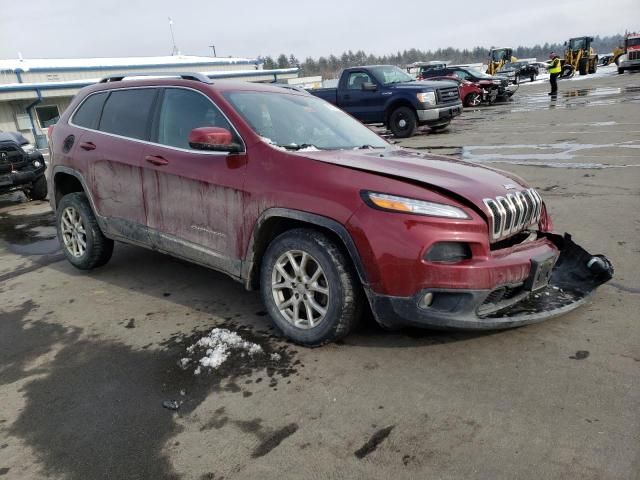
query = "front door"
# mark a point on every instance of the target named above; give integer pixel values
(365, 105)
(193, 198)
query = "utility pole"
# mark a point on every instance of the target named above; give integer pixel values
(174, 50)
(213, 47)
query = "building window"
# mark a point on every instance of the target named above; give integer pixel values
(47, 115)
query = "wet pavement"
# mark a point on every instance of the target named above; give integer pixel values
(87, 360)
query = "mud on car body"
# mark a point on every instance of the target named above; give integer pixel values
(288, 194)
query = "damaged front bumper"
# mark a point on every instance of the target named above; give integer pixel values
(550, 291)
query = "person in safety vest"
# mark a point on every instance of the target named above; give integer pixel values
(554, 67)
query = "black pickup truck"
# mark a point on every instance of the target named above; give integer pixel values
(384, 94)
(22, 167)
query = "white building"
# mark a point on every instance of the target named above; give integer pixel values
(34, 92)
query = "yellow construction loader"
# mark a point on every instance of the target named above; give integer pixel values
(579, 56)
(498, 57)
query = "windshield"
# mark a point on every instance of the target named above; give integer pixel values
(578, 44)
(302, 121)
(633, 42)
(388, 75)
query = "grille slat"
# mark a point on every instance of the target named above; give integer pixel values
(448, 94)
(512, 213)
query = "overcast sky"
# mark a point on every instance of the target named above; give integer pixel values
(249, 28)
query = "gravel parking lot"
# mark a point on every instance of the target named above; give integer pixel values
(87, 359)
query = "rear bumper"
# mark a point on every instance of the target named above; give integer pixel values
(436, 115)
(574, 277)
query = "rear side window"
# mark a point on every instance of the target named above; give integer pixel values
(88, 114)
(127, 112)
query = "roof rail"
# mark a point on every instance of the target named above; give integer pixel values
(196, 77)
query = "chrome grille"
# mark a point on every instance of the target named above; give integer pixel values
(448, 94)
(512, 213)
(634, 55)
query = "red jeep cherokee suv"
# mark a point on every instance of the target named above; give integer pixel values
(286, 193)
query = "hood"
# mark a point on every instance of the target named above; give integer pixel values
(422, 84)
(13, 137)
(463, 179)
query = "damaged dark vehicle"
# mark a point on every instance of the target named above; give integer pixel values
(288, 194)
(22, 167)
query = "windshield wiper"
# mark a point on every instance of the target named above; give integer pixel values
(368, 147)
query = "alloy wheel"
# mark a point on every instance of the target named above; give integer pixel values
(300, 289)
(73, 231)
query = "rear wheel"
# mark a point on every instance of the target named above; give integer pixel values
(82, 241)
(38, 190)
(309, 288)
(472, 100)
(403, 122)
(593, 67)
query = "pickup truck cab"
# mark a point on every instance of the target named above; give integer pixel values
(384, 94)
(288, 194)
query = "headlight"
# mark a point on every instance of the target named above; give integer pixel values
(28, 148)
(393, 203)
(427, 97)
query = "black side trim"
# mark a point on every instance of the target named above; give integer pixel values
(249, 262)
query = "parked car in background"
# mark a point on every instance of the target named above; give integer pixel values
(22, 167)
(470, 93)
(288, 194)
(384, 94)
(515, 72)
(481, 79)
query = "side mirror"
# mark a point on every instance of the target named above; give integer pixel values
(369, 87)
(215, 139)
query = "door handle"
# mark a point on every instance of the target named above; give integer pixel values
(88, 146)
(156, 160)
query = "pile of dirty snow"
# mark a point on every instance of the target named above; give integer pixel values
(217, 346)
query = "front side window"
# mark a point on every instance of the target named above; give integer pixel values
(182, 111)
(88, 115)
(357, 79)
(301, 121)
(127, 112)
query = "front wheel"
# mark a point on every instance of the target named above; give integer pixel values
(38, 190)
(309, 288)
(473, 99)
(533, 77)
(403, 122)
(516, 79)
(82, 241)
(620, 71)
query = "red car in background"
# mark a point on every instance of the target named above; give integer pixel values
(472, 94)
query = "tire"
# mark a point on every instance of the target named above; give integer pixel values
(342, 302)
(75, 223)
(583, 66)
(620, 71)
(533, 77)
(473, 99)
(516, 80)
(38, 190)
(403, 122)
(593, 68)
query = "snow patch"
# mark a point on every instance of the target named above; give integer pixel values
(218, 345)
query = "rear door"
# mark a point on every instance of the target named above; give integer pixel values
(110, 147)
(365, 105)
(193, 198)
